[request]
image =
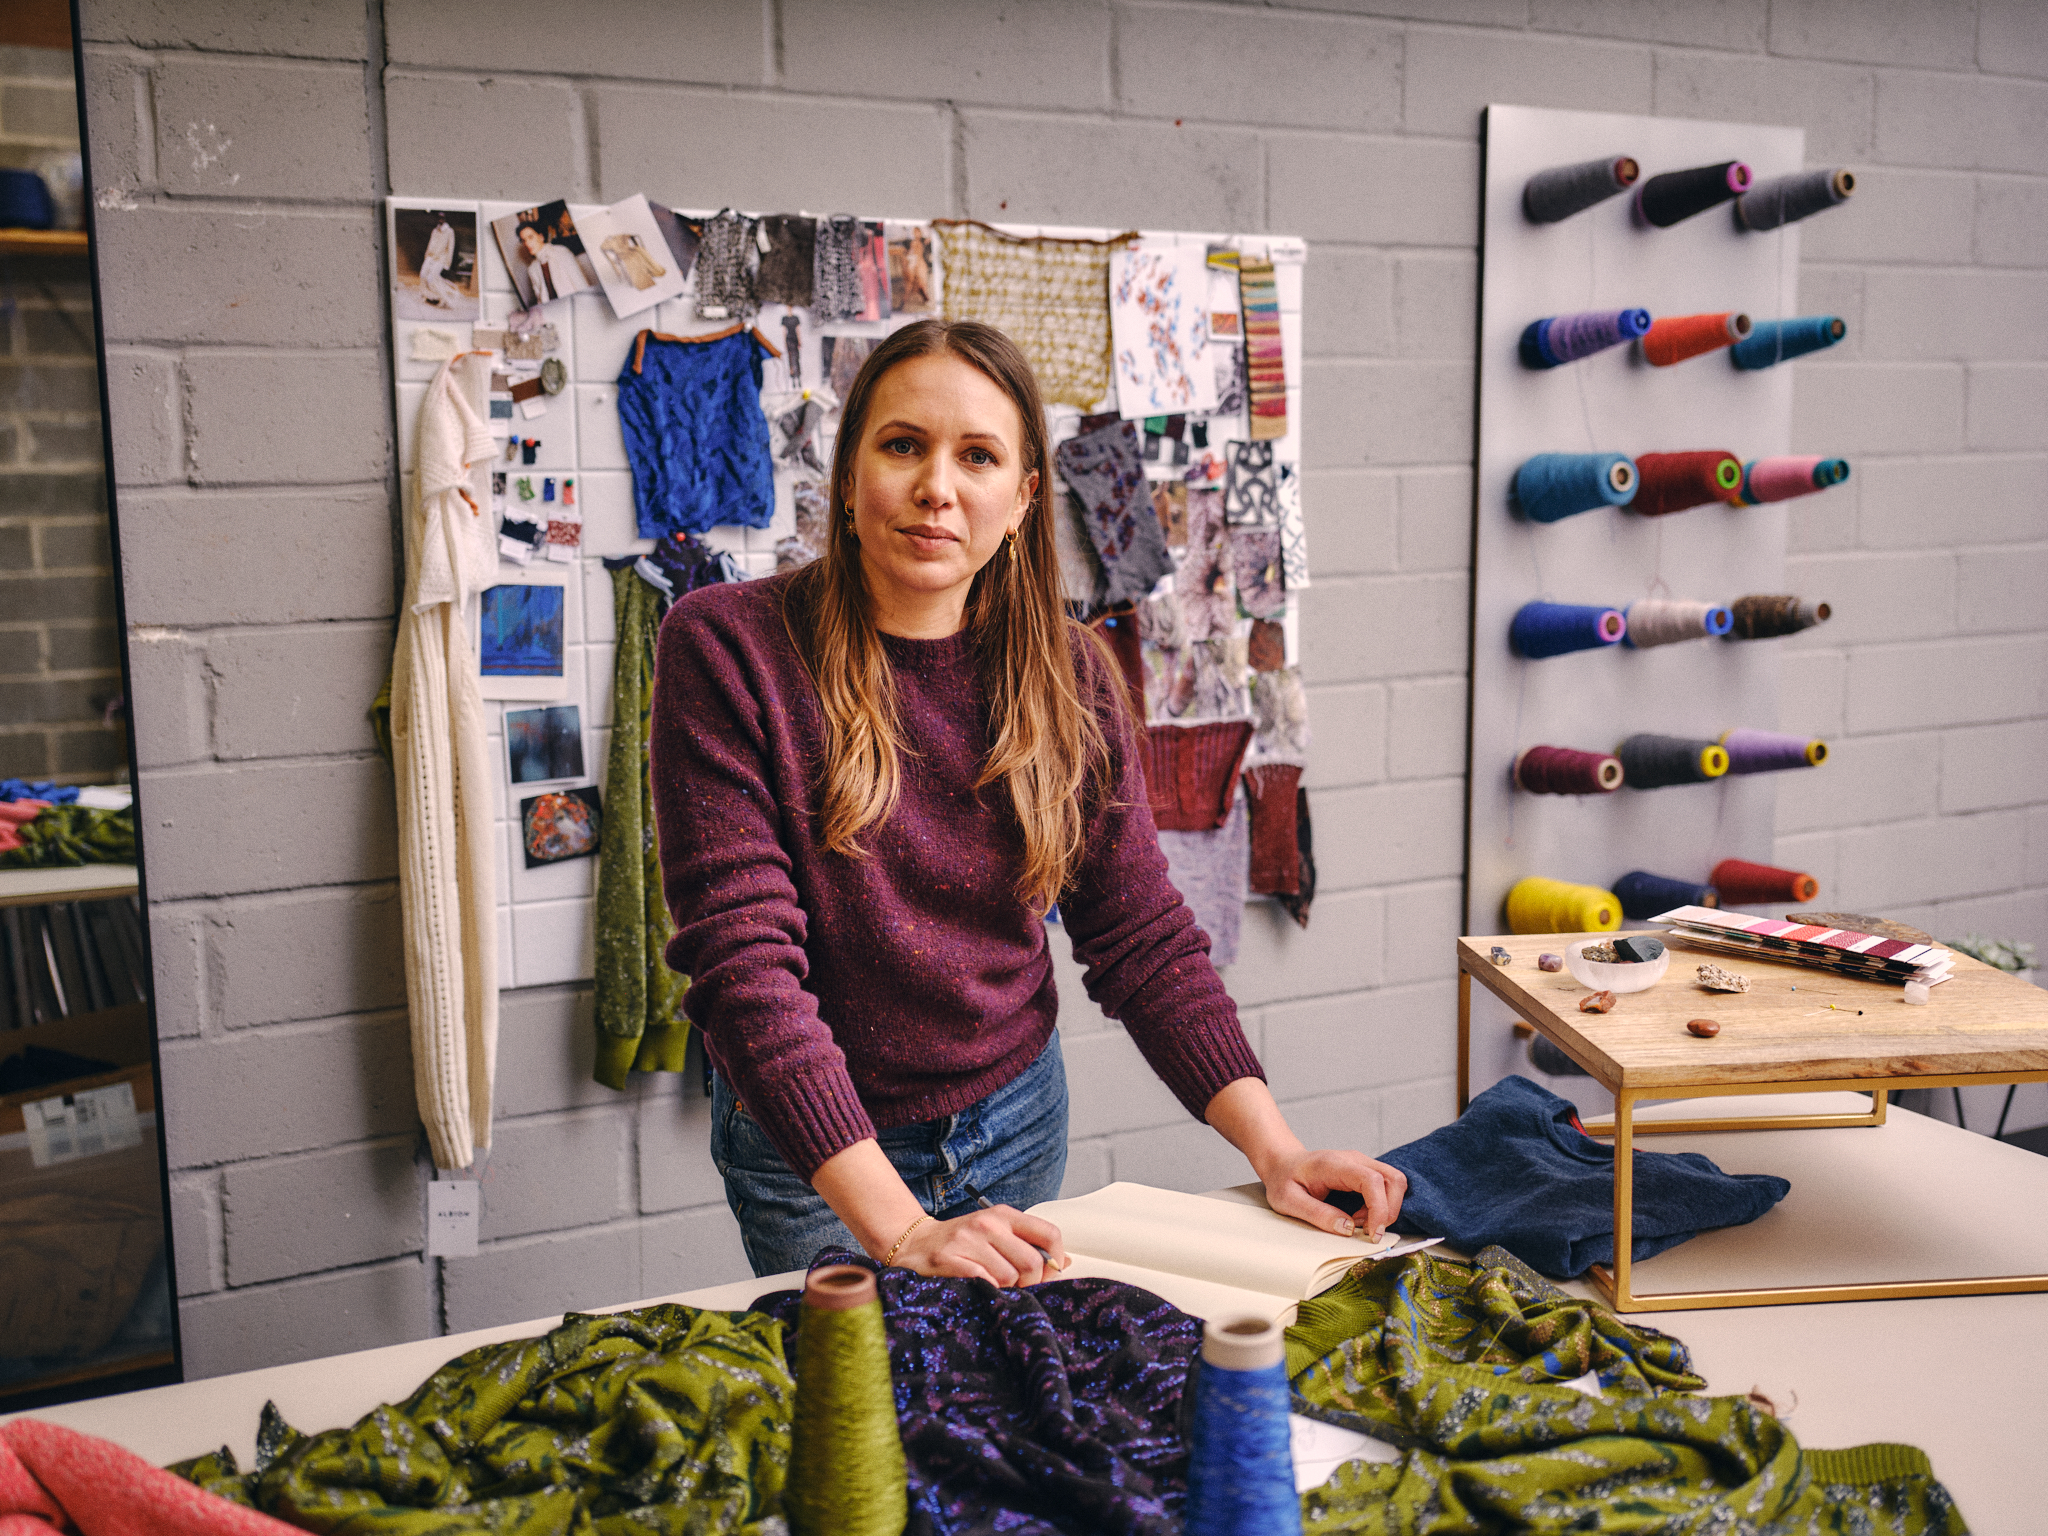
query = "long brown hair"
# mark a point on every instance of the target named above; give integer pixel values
(1047, 742)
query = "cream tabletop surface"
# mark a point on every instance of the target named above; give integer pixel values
(1963, 1378)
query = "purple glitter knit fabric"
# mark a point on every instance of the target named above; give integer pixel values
(1048, 1411)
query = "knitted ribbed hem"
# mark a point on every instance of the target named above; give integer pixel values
(1879, 1463)
(1198, 1064)
(615, 1055)
(810, 1119)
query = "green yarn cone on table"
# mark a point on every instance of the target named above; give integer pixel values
(846, 1469)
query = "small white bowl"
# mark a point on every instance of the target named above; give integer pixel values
(1616, 976)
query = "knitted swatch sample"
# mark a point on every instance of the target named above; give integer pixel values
(1050, 296)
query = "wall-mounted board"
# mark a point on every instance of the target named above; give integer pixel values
(1606, 258)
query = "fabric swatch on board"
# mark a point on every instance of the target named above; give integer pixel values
(1280, 710)
(1233, 385)
(1203, 586)
(1050, 296)
(1255, 562)
(726, 262)
(1267, 649)
(1104, 470)
(1251, 493)
(786, 266)
(1209, 869)
(1293, 532)
(842, 358)
(1161, 622)
(872, 257)
(1204, 680)
(639, 1002)
(1119, 631)
(1298, 904)
(1082, 581)
(1276, 849)
(1514, 1170)
(1053, 1408)
(690, 413)
(1170, 503)
(1191, 773)
(1473, 1370)
(835, 270)
(1264, 361)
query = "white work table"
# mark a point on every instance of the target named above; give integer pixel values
(1964, 1378)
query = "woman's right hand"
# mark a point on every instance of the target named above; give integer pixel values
(1001, 1245)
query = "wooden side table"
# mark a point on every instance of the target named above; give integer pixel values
(1795, 1030)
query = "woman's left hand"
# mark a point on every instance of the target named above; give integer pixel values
(1296, 1184)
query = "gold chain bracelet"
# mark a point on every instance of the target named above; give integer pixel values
(922, 1218)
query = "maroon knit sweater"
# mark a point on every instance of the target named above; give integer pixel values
(839, 994)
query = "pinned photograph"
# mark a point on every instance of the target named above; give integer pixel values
(544, 253)
(545, 743)
(681, 235)
(434, 264)
(522, 632)
(913, 257)
(559, 825)
(871, 255)
(634, 262)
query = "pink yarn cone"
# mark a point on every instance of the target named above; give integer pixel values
(1782, 479)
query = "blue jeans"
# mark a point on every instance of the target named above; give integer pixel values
(1011, 1145)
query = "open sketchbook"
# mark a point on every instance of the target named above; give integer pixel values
(1209, 1257)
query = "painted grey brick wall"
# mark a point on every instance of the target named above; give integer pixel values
(241, 154)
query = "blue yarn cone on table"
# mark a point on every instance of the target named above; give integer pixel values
(1240, 1464)
(1778, 341)
(1553, 629)
(1552, 486)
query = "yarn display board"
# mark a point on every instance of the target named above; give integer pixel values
(442, 288)
(1605, 258)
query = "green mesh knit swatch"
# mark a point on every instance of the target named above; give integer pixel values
(667, 1421)
(640, 1023)
(1461, 1365)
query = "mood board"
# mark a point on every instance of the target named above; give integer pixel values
(559, 423)
(1602, 398)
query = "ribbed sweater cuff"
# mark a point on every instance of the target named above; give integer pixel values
(1199, 1063)
(811, 1119)
(1867, 1464)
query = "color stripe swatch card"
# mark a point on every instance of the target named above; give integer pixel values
(1869, 955)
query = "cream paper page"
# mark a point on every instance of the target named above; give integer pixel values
(1215, 1241)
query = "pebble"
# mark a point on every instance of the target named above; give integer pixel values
(1706, 1029)
(1550, 962)
(1596, 1002)
(1499, 956)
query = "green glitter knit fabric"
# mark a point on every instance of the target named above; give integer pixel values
(640, 1023)
(1462, 1366)
(666, 1421)
(66, 836)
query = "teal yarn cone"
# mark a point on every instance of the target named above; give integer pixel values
(1552, 486)
(1771, 342)
(847, 1475)
(1240, 1466)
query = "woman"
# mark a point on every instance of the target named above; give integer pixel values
(872, 776)
(435, 288)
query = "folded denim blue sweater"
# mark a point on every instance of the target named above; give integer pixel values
(1514, 1170)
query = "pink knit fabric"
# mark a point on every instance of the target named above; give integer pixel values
(56, 1479)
